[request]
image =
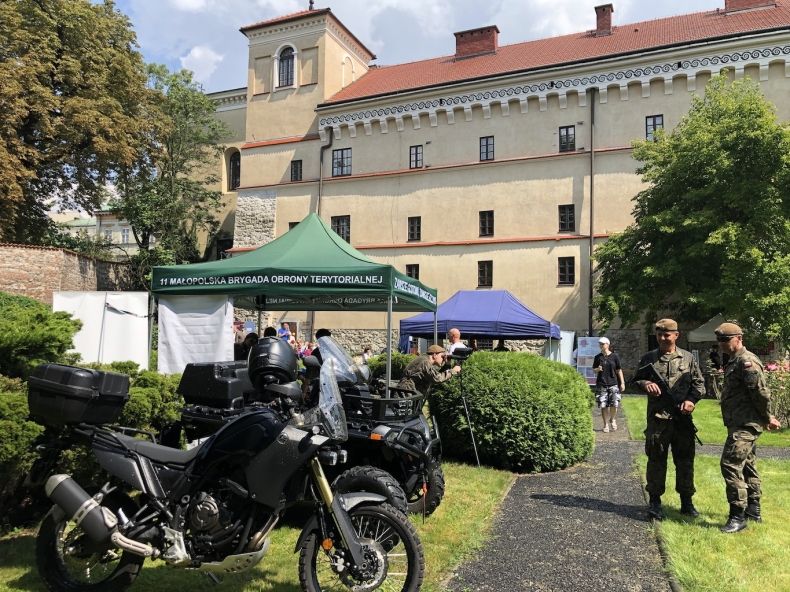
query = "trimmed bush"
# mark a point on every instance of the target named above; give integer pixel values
(378, 365)
(529, 414)
(31, 334)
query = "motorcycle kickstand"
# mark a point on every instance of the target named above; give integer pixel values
(215, 579)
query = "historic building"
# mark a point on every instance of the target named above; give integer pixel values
(496, 167)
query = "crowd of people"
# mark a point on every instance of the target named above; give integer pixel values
(244, 342)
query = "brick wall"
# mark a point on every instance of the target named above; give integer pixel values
(37, 272)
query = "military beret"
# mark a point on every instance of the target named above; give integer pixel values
(666, 325)
(728, 330)
(435, 349)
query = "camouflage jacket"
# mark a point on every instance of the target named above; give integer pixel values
(745, 398)
(420, 374)
(680, 372)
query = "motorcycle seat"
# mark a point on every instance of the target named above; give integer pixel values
(159, 453)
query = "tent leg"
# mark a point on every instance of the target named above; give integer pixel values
(151, 305)
(435, 328)
(258, 326)
(389, 345)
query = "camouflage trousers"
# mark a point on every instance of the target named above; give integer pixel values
(660, 436)
(741, 480)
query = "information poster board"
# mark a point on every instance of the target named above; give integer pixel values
(587, 349)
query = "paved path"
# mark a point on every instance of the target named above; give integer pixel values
(581, 529)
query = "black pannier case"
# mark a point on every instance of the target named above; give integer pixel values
(60, 395)
(215, 384)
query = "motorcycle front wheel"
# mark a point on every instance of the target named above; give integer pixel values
(68, 561)
(391, 547)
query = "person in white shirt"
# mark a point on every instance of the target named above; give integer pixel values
(454, 335)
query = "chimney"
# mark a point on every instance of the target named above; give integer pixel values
(476, 41)
(734, 5)
(603, 19)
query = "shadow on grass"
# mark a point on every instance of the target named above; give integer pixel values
(17, 558)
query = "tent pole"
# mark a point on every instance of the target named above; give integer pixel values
(389, 344)
(151, 304)
(435, 328)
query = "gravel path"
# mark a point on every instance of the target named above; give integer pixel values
(581, 529)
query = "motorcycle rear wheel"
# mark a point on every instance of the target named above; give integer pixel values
(392, 544)
(68, 561)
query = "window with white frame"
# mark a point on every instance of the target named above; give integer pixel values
(125, 236)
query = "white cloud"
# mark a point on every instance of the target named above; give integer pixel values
(190, 5)
(202, 60)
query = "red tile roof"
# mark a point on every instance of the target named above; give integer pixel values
(566, 49)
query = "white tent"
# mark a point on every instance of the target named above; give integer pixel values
(705, 332)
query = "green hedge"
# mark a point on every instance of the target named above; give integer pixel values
(529, 414)
(378, 365)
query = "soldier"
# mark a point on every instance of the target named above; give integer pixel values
(745, 409)
(424, 371)
(673, 382)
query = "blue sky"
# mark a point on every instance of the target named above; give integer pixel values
(203, 35)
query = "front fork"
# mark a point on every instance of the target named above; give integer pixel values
(342, 520)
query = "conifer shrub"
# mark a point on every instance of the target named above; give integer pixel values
(31, 334)
(529, 414)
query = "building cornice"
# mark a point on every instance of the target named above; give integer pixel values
(689, 64)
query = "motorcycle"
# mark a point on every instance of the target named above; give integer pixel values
(212, 508)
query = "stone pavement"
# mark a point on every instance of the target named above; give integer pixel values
(581, 529)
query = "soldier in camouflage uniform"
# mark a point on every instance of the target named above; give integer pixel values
(745, 409)
(669, 421)
(424, 371)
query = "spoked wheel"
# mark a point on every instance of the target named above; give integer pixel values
(393, 556)
(69, 561)
(427, 495)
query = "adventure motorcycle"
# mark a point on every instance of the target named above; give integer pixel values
(212, 508)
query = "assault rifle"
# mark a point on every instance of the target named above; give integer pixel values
(649, 372)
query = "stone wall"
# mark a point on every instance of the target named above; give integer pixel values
(628, 344)
(37, 272)
(255, 218)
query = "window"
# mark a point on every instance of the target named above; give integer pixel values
(108, 235)
(342, 226)
(487, 223)
(415, 228)
(285, 67)
(415, 157)
(234, 171)
(567, 271)
(223, 244)
(487, 148)
(341, 162)
(125, 236)
(568, 218)
(296, 170)
(568, 138)
(485, 274)
(413, 271)
(291, 225)
(653, 123)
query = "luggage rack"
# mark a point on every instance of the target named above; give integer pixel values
(402, 404)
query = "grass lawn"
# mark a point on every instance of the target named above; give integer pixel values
(706, 560)
(455, 531)
(707, 418)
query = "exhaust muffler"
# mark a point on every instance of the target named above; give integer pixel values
(98, 522)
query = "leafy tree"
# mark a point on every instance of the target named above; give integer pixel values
(711, 232)
(31, 334)
(166, 194)
(75, 106)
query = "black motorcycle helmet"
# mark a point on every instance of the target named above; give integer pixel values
(271, 361)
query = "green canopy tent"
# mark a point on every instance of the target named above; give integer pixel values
(308, 268)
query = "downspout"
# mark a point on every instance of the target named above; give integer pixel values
(592, 210)
(324, 148)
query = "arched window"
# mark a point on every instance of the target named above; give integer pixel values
(234, 171)
(285, 70)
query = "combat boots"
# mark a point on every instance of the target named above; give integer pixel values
(687, 507)
(736, 521)
(654, 510)
(753, 512)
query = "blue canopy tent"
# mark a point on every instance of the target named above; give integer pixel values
(483, 313)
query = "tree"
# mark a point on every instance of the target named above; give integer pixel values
(711, 233)
(74, 101)
(166, 194)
